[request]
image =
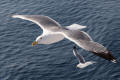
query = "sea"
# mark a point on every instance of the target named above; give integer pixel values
(19, 60)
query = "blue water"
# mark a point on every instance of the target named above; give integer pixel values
(20, 61)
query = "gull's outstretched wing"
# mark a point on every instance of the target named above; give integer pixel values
(85, 42)
(97, 49)
(80, 57)
(45, 22)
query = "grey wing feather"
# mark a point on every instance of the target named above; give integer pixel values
(77, 35)
(44, 22)
(85, 42)
(92, 46)
(80, 57)
(97, 49)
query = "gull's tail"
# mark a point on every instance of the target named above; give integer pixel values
(83, 65)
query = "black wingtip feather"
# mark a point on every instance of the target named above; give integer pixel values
(108, 56)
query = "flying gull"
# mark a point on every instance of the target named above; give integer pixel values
(81, 60)
(53, 32)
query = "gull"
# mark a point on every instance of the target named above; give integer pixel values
(54, 32)
(82, 62)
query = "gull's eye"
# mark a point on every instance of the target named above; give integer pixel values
(41, 38)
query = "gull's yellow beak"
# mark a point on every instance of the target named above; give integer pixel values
(34, 43)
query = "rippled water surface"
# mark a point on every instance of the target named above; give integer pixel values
(20, 61)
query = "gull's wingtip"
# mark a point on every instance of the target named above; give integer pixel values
(19, 16)
(10, 15)
(14, 16)
(114, 61)
(83, 65)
